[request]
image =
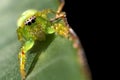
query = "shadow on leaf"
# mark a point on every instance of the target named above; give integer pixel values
(38, 48)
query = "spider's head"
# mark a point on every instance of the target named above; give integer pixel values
(27, 18)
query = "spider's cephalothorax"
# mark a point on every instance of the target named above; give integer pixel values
(34, 25)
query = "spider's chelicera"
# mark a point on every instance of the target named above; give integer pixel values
(30, 20)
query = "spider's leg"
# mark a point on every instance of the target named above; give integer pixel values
(22, 57)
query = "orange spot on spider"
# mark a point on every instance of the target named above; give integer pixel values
(23, 63)
(23, 53)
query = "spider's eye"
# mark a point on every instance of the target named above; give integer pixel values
(30, 21)
(33, 20)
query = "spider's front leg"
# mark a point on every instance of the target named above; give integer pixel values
(22, 56)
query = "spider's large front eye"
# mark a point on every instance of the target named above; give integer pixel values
(33, 20)
(30, 20)
(29, 23)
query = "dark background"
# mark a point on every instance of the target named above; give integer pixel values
(81, 17)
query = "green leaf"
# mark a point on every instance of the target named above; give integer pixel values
(53, 59)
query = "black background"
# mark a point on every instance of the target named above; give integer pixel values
(81, 18)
